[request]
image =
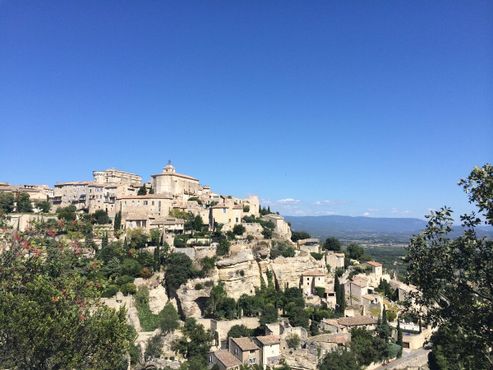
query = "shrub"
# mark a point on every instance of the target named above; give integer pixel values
(110, 291)
(199, 286)
(238, 229)
(293, 341)
(320, 291)
(124, 279)
(128, 288)
(145, 273)
(317, 256)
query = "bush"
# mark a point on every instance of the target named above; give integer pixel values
(124, 279)
(145, 273)
(317, 256)
(131, 267)
(199, 286)
(293, 341)
(128, 288)
(238, 229)
(110, 291)
(320, 291)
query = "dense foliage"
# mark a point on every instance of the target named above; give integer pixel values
(455, 279)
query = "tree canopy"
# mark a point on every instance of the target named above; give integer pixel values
(454, 277)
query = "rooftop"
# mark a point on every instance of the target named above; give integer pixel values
(269, 340)
(313, 273)
(357, 321)
(245, 343)
(374, 263)
(227, 359)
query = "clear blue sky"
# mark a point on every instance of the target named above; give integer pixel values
(319, 107)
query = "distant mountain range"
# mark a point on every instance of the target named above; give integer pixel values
(373, 229)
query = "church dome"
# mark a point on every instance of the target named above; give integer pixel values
(169, 168)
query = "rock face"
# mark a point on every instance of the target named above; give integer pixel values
(288, 271)
(190, 298)
(240, 274)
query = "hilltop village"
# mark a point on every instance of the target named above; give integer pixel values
(211, 280)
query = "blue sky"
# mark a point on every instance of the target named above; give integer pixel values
(320, 107)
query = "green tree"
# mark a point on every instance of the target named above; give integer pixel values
(332, 244)
(137, 238)
(178, 271)
(355, 251)
(299, 235)
(43, 205)
(101, 217)
(238, 331)
(454, 277)
(269, 314)
(399, 338)
(293, 341)
(118, 221)
(169, 318)
(340, 296)
(238, 229)
(67, 213)
(7, 202)
(339, 359)
(142, 190)
(24, 204)
(154, 348)
(195, 343)
(48, 319)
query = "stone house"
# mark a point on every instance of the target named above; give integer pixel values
(334, 260)
(270, 349)
(282, 228)
(245, 350)
(376, 269)
(312, 279)
(311, 245)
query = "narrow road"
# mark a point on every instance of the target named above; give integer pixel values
(413, 358)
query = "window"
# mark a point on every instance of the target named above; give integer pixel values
(145, 202)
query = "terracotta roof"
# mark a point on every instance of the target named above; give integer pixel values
(313, 273)
(374, 263)
(227, 359)
(269, 340)
(357, 321)
(245, 343)
(339, 338)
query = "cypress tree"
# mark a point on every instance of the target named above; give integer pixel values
(118, 221)
(104, 241)
(399, 338)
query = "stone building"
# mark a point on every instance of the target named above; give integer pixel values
(334, 260)
(270, 349)
(312, 279)
(245, 350)
(224, 360)
(176, 184)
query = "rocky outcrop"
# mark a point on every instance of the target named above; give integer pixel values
(288, 271)
(192, 295)
(239, 273)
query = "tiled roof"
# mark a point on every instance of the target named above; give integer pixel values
(227, 359)
(268, 340)
(245, 343)
(357, 321)
(374, 263)
(313, 273)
